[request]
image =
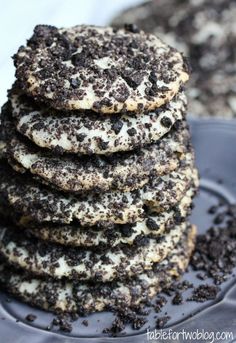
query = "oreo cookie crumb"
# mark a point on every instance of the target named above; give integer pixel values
(138, 323)
(178, 299)
(151, 224)
(30, 317)
(132, 131)
(184, 285)
(117, 326)
(166, 122)
(124, 316)
(85, 322)
(159, 303)
(117, 126)
(201, 276)
(63, 321)
(215, 251)
(204, 293)
(212, 209)
(219, 218)
(162, 321)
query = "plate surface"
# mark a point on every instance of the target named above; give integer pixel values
(214, 142)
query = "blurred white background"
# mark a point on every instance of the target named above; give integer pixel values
(18, 18)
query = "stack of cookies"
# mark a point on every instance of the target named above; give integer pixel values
(97, 170)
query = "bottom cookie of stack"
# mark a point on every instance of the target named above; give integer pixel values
(74, 295)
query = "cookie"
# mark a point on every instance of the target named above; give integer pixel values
(103, 265)
(99, 68)
(95, 174)
(120, 171)
(41, 204)
(66, 296)
(75, 235)
(83, 133)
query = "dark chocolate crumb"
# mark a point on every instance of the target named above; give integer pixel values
(75, 83)
(103, 145)
(138, 323)
(184, 285)
(80, 137)
(63, 321)
(31, 317)
(178, 299)
(160, 302)
(151, 224)
(212, 209)
(162, 321)
(166, 122)
(85, 322)
(117, 326)
(201, 276)
(204, 292)
(132, 131)
(117, 126)
(215, 251)
(219, 218)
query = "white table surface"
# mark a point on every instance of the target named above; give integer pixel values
(18, 18)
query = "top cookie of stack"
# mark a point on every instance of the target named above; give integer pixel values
(99, 69)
